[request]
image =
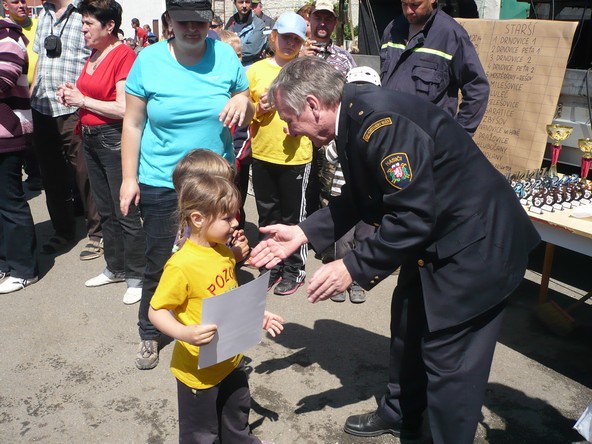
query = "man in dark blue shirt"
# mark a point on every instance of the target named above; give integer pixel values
(425, 52)
(249, 29)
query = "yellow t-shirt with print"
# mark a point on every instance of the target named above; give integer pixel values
(193, 274)
(269, 142)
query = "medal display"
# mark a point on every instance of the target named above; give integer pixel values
(540, 191)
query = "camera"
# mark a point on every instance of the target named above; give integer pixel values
(322, 52)
(53, 45)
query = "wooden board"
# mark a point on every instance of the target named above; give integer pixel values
(525, 62)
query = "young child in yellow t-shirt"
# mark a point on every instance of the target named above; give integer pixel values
(281, 162)
(213, 402)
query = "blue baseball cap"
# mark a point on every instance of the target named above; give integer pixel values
(291, 23)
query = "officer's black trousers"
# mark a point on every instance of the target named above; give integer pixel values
(445, 371)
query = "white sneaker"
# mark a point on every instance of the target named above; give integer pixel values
(102, 279)
(132, 295)
(15, 284)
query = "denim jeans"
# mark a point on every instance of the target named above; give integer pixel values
(59, 154)
(123, 236)
(17, 231)
(158, 207)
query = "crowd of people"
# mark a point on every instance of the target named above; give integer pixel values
(159, 169)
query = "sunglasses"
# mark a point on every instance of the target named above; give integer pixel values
(214, 26)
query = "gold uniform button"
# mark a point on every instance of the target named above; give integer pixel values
(421, 263)
(361, 113)
(351, 104)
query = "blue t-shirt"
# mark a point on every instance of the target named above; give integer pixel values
(183, 103)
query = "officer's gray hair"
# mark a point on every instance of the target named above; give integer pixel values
(307, 76)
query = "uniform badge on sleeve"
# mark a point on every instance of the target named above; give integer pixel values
(376, 126)
(397, 170)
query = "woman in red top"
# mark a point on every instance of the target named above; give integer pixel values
(99, 93)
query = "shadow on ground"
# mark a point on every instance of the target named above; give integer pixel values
(357, 357)
(524, 333)
(526, 419)
(44, 231)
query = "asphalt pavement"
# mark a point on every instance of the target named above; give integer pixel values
(67, 372)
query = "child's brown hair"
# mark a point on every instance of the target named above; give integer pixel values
(201, 161)
(210, 195)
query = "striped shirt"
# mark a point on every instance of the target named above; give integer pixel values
(338, 57)
(55, 71)
(338, 178)
(16, 124)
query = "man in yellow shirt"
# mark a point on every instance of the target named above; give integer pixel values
(19, 14)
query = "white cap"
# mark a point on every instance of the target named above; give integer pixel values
(291, 23)
(363, 74)
(323, 5)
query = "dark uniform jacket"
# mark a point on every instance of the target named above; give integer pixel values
(435, 64)
(269, 22)
(411, 170)
(250, 32)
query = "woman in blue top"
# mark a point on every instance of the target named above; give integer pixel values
(181, 94)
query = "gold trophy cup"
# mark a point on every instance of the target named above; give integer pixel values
(585, 146)
(558, 133)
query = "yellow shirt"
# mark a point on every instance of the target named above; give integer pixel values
(191, 275)
(29, 32)
(269, 142)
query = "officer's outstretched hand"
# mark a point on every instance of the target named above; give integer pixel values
(281, 241)
(329, 280)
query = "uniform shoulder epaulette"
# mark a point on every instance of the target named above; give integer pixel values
(357, 111)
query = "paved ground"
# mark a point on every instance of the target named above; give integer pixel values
(67, 372)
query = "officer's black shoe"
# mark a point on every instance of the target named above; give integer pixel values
(370, 424)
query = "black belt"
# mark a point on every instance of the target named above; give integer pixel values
(96, 129)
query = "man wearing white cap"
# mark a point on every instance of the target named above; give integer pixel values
(322, 21)
(322, 24)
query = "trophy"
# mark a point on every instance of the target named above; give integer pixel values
(585, 146)
(558, 133)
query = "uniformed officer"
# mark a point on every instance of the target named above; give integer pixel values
(443, 213)
(425, 52)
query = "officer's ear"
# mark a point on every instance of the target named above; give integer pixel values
(315, 105)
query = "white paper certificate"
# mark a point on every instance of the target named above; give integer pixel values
(238, 314)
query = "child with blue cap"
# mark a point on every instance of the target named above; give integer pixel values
(281, 163)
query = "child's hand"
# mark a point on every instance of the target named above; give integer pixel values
(199, 334)
(240, 245)
(272, 323)
(264, 105)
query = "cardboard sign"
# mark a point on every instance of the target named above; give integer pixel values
(525, 63)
